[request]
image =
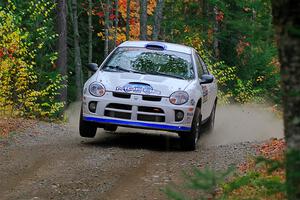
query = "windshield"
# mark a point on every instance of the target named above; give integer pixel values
(147, 61)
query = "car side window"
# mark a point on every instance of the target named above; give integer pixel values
(205, 70)
(199, 66)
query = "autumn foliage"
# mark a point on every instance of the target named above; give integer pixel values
(9, 126)
(134, 22)
(19, 95)
(263, 177)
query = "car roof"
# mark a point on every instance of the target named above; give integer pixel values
(166, 45)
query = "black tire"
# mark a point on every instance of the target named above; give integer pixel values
(190, 139)
(110, 128)
(211, 121)
(86, 129)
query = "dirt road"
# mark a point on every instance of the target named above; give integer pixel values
(50, 161)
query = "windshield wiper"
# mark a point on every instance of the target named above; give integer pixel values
(110, 68)
(122, 69)
(165, 74)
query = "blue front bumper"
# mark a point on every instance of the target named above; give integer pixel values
(137, 124)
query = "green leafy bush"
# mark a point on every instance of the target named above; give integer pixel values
(22, 90)
(225, 74)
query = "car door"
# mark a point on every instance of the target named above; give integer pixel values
(209, 89)
(205, 103)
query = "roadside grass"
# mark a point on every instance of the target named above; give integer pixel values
(261, 177)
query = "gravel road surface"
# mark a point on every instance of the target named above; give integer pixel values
(51, 161)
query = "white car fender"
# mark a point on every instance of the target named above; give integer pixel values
(195, 94)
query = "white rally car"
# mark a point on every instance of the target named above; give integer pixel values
(151, 85)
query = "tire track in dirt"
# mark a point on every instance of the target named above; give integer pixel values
(33, 165)
(133, 164)
(126, 186)
(15, 177)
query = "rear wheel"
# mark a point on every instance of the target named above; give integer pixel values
(86, 129)
(190, 140)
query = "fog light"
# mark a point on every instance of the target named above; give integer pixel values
(93, 106)
(179, 115)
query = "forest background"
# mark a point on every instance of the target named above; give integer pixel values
(44, 46)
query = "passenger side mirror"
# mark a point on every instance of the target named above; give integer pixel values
(92, 67)
(206, 79)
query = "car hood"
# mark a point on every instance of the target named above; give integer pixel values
(141, 83)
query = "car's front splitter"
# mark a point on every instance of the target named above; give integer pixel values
(137, 124)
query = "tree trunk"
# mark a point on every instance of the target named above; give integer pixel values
(216, 30)
(287, 21)
(116, 22)
(205, 11)
(128, 20)
(90, 21)
(77, 56)
(158, 19)
(106, 21)
(62, 45)
(143, 20)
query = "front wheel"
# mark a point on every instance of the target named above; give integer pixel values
(190, 140)
(86, 129)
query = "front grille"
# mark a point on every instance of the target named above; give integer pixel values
(150, 109)
(115, 110)
(150, 118)
(140, 113)
(115, 114)
(119, 106)
(121, 95)
(150, 114)
(151, 98)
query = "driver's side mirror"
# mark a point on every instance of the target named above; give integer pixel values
(206, 79)
(92, 67)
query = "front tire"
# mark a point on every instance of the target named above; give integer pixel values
(189, 140)
(86, 129)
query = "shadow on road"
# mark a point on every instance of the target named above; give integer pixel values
(137, 140)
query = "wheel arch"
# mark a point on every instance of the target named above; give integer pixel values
(216, 100)
(199, 103)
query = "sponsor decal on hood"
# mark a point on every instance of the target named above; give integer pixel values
(138, 88)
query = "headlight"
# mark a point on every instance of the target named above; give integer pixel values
(179, 98)
(97, 89)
